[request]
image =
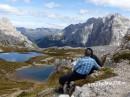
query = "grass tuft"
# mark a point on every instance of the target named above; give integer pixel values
(125, 55)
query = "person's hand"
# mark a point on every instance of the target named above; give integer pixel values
(102, 67)
(95, 71)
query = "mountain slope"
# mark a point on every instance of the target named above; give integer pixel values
(50, 40)
(43, 37)
(108, 30)
(38, 33)
(10, 37)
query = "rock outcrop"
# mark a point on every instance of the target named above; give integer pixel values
(118, 86)
(126, 41)
(43, 37)
(10, 37)
(107, 30)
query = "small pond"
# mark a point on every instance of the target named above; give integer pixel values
(18, 57)
(36, 73)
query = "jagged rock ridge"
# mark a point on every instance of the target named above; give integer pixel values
(108, 30)
(43, 37)
(9, 36)
(38, 33)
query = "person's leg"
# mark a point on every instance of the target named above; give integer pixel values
(71, 84)
(65, 78)
(75, 76)
(70, 77)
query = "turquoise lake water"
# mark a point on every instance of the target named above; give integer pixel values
(18, 57)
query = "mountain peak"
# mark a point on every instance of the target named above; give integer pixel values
(9, 35)
(106, 30)
(115, 14)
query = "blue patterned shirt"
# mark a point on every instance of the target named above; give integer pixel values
(84, 65)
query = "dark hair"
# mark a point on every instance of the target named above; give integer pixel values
(86, 51)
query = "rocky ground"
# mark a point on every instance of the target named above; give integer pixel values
(118, 86)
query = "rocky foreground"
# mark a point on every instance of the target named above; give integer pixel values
(118, 86)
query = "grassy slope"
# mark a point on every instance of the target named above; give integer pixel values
(7, 85)
(121, 55)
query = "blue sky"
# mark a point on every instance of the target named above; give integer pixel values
(59, 13)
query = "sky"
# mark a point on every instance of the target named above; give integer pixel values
(59, 13)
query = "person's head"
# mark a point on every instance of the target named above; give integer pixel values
(88, 52)
(72, 60)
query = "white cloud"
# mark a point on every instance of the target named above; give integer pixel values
(55, 25)
(83, 11)
(65, 18)
(9, 9)
(53, 15)
(125, 4)
(52, 5)
(26, 1)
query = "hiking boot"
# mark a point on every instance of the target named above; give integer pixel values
(59, 90)
(72, 87)
(65, 88)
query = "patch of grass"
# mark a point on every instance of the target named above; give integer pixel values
(54, 53)
(38, 60)
(51, 54)
(63, 52)
(17, 49)
(10, 84)
(7, 85)
(104, 73)
(44, 59)
(127, 37)
(9, 67)
(60, 53)
(6, 91)
(25, 94)
(125, 55)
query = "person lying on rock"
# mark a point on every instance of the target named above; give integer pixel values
(83, 67)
